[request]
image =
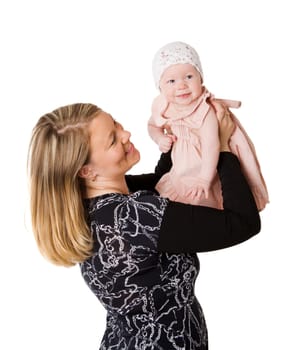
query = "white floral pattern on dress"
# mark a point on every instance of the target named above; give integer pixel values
(149, 296)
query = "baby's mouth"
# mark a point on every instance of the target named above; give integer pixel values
(186, 95)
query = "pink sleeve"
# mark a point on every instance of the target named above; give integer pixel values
(209, 146)
(243, 148)
(159, 106)
(156, 121)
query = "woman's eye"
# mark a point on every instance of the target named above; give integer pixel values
(113, 139)
(171, 81)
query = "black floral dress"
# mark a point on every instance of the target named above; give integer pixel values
(144, 265)
(149, 296)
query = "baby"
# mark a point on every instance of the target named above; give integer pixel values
(183, 117)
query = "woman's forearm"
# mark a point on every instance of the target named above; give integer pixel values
(190, 229)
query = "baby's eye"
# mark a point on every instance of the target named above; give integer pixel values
(189, 76)
(171, 81)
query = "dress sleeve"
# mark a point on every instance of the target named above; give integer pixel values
(149, 181)
(188, 228)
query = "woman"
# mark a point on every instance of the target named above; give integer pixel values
(137, 250)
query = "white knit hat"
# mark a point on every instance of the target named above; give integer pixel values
(174, 53)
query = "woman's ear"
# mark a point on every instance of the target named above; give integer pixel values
(87, 172)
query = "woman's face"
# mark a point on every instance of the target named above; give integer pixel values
(111, 152)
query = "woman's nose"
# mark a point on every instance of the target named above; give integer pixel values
(125, 136)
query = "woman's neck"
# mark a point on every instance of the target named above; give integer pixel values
(99, 187)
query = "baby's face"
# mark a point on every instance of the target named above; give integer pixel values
(181, 84)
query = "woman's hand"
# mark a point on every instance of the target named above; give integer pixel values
(225, 122)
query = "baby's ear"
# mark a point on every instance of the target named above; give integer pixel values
(87, 172)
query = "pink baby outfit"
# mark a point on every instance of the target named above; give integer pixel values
(196, 151)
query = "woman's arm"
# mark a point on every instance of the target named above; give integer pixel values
(149, 181)
(189, 228)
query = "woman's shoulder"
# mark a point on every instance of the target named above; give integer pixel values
(132, 220)
(142, 200)
(146, 196)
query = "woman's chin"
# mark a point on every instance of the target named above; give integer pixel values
(137, 156)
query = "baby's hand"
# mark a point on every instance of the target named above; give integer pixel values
(165, 142)
(200, 189)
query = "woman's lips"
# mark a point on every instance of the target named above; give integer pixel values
(130, 148)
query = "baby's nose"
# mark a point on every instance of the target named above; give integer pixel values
(181, 84)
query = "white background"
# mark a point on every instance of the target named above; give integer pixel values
(57, 52)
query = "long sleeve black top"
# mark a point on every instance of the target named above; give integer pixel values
(144, 265)
(190, 228)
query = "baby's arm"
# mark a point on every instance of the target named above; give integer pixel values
(157, 133)
(210, 147)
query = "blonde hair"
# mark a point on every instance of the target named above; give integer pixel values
(58, 149)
